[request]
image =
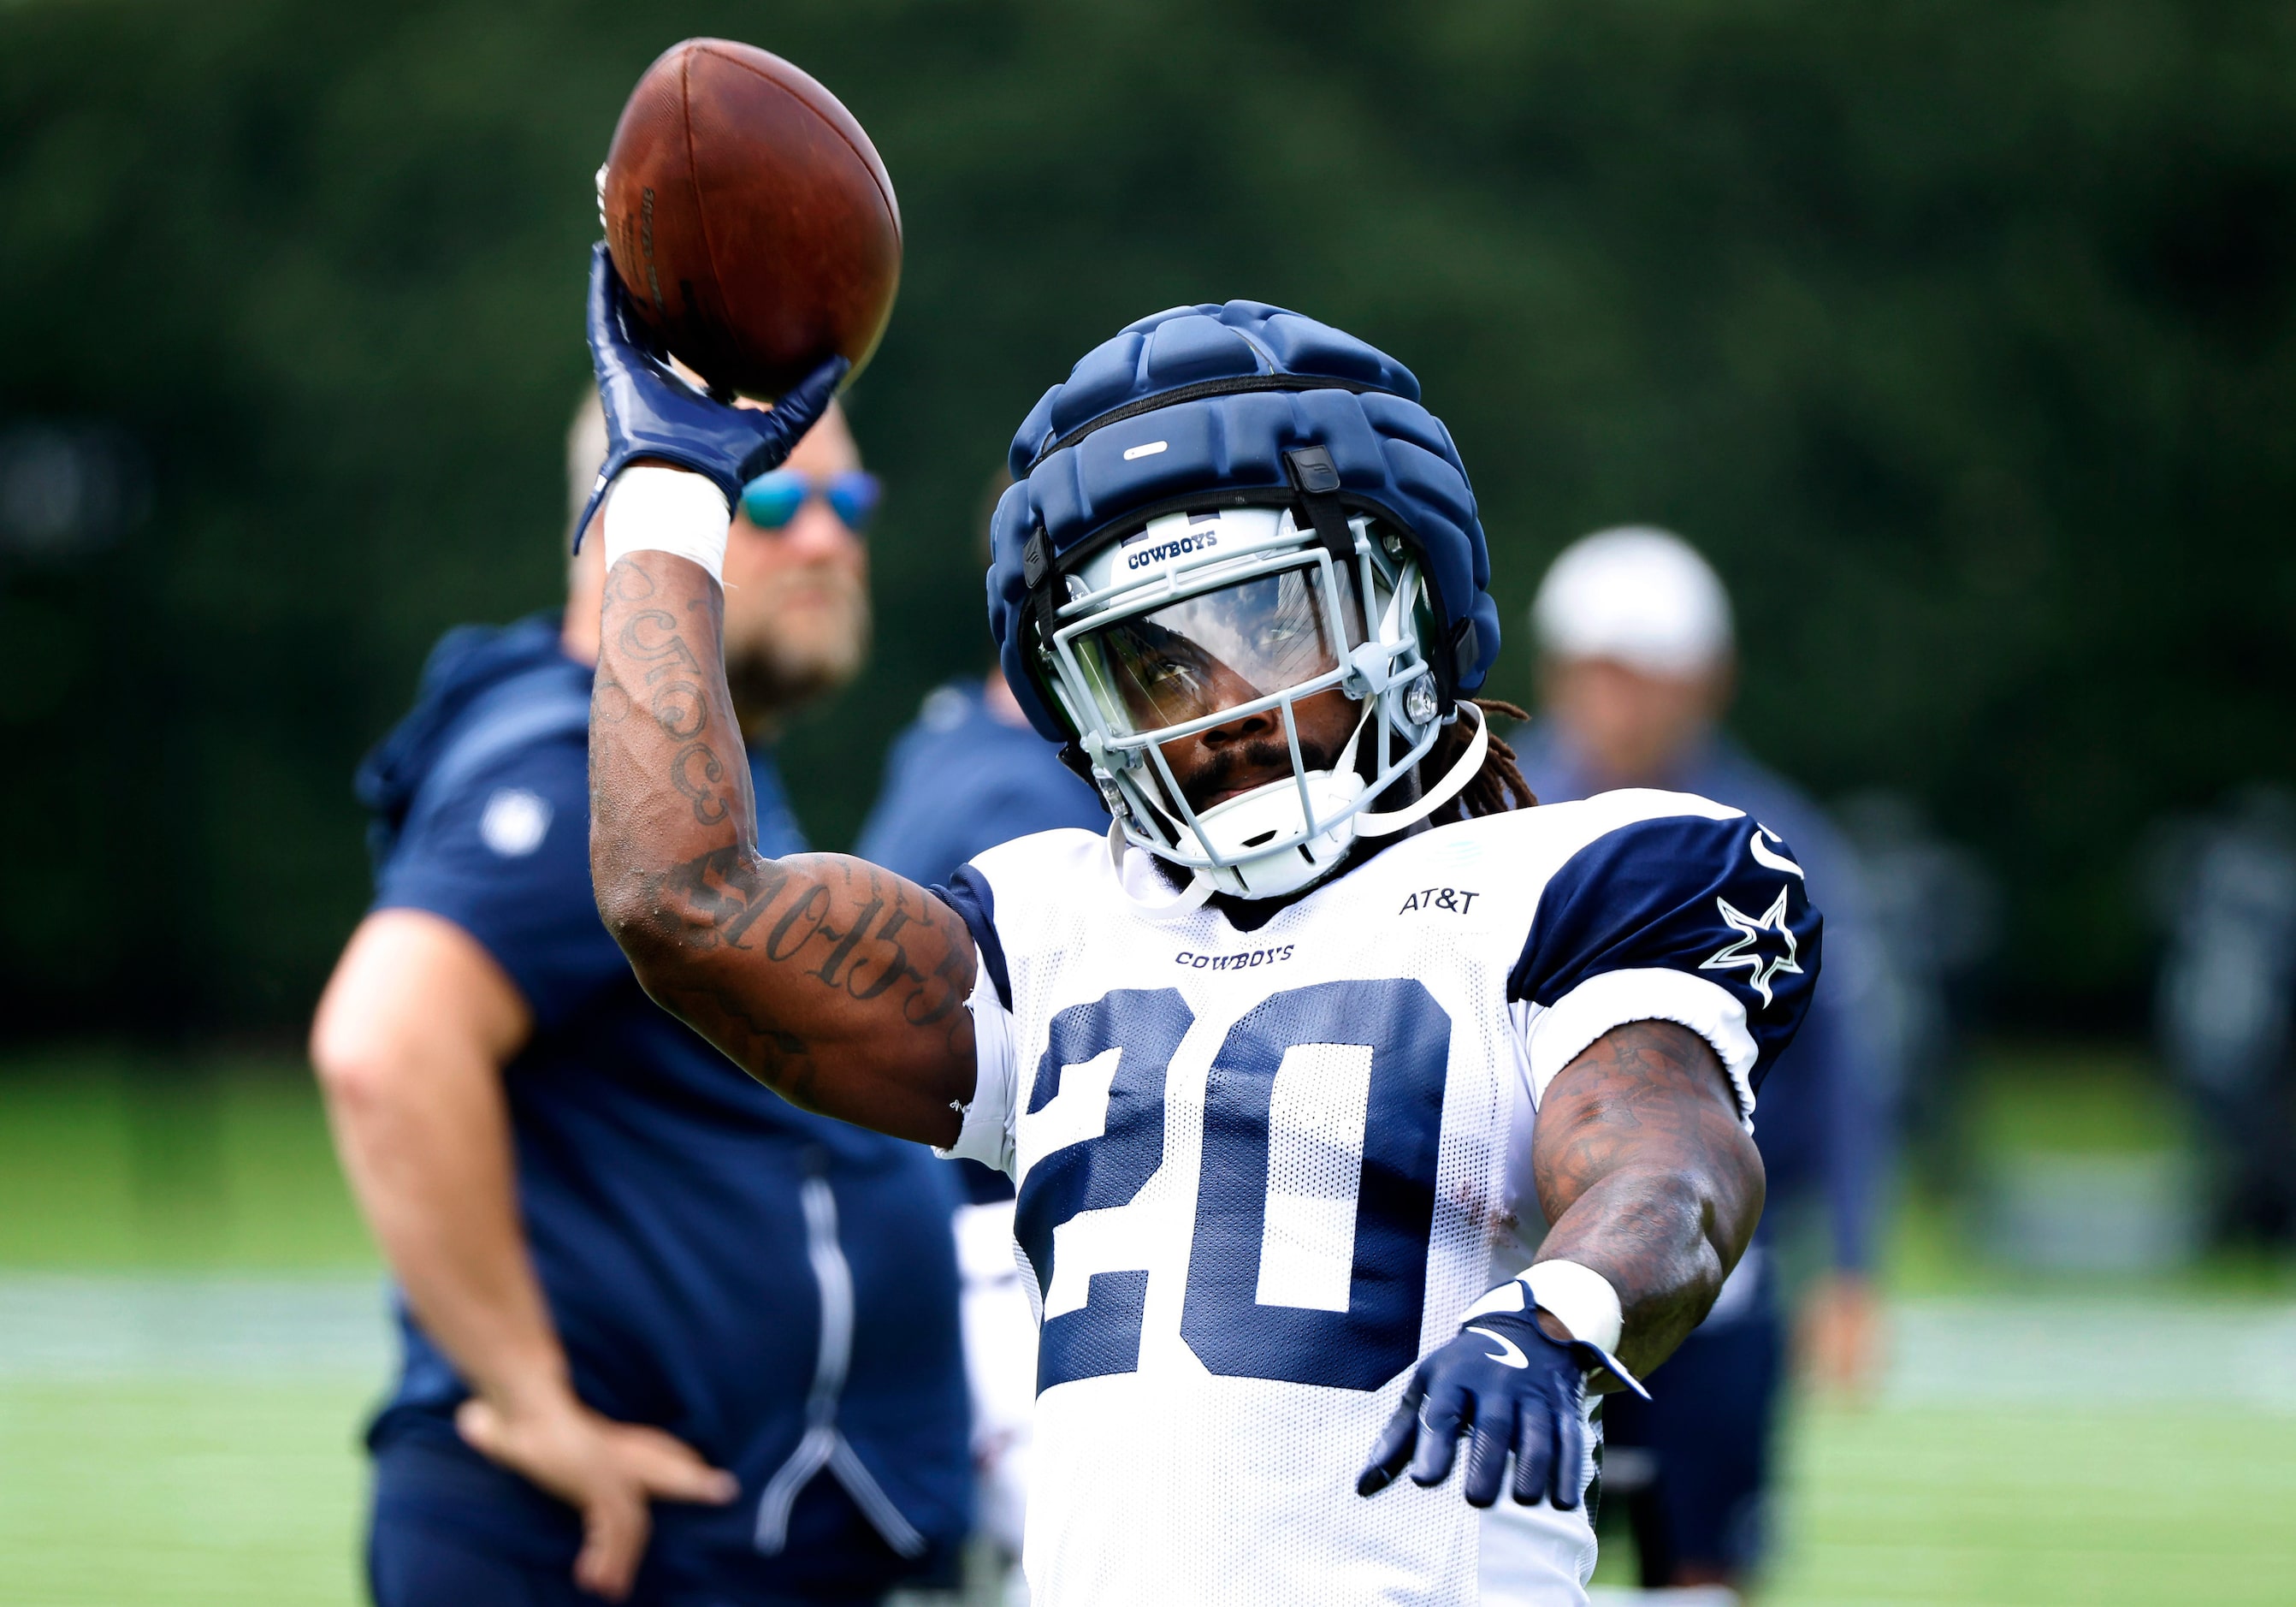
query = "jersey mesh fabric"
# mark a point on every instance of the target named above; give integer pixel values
(1261, 1173)
(1316, 1117)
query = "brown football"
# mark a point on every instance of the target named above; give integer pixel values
(749, 218)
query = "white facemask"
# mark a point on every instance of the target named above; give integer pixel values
(1203, 619)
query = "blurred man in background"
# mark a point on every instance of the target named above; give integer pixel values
(2226, 1011)
(1638, 662)
(968, 774)
(552, 1164)
(1935, 909)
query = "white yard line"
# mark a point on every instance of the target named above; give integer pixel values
(2092, 1351)
(1974, 1351)
(92, 1327)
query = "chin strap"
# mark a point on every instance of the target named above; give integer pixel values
(1189, 900)
(1371, 825)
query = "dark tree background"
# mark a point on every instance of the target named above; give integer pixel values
(1957, 333)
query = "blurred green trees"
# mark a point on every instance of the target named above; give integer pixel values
(1958, 334)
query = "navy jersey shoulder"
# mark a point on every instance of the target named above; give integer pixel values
(1722, 900)
(1828, 1129)
(1723, 771)
(959, 780)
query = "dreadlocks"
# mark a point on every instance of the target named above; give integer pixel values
(1498, 787)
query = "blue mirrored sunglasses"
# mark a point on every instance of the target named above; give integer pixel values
(772, 499)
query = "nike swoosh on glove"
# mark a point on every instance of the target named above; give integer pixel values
(651, 413)
(1506, 1385)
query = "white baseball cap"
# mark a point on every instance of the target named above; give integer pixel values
(1638, 595)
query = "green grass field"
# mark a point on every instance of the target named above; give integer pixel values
(186, 1350)
(178, 1493)
(2018, 1507)
(171, 1491)
(106, 1161)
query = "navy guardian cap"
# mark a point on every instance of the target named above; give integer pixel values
(1260, 491)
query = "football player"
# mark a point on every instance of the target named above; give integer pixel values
(1292, 1063)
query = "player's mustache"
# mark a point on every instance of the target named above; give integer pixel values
(1251, 763)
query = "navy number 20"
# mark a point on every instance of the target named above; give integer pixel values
(1406, 1038)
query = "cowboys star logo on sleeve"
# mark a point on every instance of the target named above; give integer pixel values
(1748, 948)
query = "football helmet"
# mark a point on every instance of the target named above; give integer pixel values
(1224, 513)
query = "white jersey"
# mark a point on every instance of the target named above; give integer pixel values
(1261, 1173)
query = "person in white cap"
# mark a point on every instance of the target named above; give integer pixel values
(1638, 665)
(1634, 630)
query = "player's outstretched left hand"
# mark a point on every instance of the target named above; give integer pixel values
(1510, 1387)
(651, 413)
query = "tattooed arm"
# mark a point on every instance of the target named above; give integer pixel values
(1648, 1178)
(836, 984)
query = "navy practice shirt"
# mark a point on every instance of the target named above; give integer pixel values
(1821, 1126)
(660, 1188)
(959, 781)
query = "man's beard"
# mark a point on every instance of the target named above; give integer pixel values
(772, 672)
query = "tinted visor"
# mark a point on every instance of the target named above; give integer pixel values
(1215, 651)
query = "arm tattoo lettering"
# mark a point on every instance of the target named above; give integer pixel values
(837, 983)
(810, 906)
(696, 772)
(681, 711)
(651, 636)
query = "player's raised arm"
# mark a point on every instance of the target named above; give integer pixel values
(837, 984)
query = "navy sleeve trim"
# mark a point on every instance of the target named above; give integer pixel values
(1717, 899)
(968, 894)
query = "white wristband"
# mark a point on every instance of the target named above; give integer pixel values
(1581, 1299)
(651, 508)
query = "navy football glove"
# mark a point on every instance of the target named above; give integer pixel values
(651, 413)
(1509, 1386)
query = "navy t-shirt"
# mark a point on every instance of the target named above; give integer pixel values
(659, 1186)
(960, 780)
